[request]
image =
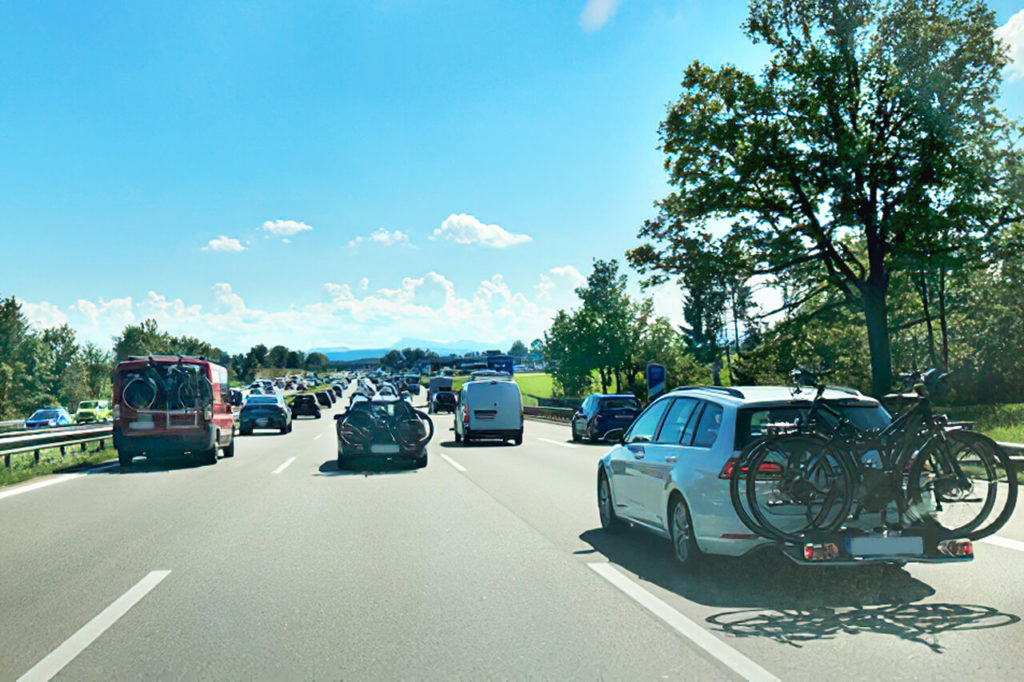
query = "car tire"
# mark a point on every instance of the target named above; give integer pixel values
(342, 462)
(420, 461)
(575, 436)
(289, 428)
(209, 457)
(283, 430)
(229, 449)
(124, 459)
(458, 437)
(518, 440)
(610, 521)
(680, 528)
(244, 431)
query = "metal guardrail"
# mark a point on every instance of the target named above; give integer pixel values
(12, 425)
(562, 414)
(22, 442)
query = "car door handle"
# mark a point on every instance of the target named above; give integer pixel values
(671, 459)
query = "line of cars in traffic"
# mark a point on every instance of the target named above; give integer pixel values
(88, 412)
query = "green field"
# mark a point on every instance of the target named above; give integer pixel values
(533, 386)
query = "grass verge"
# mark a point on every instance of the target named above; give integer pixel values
(23, 464)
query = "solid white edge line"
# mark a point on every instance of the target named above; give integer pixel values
(76, 643)
(458, 467)
(721, 651)
(58, 478)
(283, 466)
(557, 442)
(317, 436)
(1006, 543)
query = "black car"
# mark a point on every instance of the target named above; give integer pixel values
(338, 390)
(443, 401)
(603, 416)
(305, 405)
(264, 412)
(386, 428)
(323, 398)
(237, 398)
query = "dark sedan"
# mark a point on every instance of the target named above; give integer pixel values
(264, 412)
(323, 398)
(443, 401)
(305, 405)
(604, 416)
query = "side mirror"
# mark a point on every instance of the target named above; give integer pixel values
(338, 416)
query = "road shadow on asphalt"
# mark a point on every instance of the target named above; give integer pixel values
(477, 444)
(920, 623)
(774, 598)
(143, 465)
(764, 579)
(375, 467)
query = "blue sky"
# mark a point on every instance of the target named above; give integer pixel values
(342, 173)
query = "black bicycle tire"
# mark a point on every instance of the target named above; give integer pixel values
(1011, 480)
(913, 497)
(745, 455)
(794, 537)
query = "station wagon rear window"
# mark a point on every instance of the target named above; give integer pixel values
(751, 421)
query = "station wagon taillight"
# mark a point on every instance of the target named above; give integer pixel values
(765, 468)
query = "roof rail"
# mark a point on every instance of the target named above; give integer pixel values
(844, 389)
(735, 392)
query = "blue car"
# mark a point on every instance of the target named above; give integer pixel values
(604, 416)
(47, 417)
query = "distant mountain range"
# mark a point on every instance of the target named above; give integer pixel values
(346, 354)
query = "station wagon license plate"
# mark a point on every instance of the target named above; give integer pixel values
(899, 545)
(384, 449)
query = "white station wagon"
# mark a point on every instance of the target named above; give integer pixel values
(670, 472)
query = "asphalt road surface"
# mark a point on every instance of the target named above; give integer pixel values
(488, 563)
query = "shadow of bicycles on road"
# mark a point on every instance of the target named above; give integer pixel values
(792, 604)
(763, 579)
(920, 623)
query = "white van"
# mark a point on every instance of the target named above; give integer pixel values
(489, 409)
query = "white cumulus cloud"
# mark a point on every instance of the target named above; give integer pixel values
(463, 228)
(562, 278)
(285, 228)
(1012, 33)
(364, 283)
(385, 237)
(597, 13)
(43, 315)
(223, 243)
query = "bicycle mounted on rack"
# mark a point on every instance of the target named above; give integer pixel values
(814, 481)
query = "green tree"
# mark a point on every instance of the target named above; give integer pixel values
(316, 361)
(294, 359)
(278, 356)
(872, 125)
(518, 349)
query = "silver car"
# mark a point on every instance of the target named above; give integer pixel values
(670, 471)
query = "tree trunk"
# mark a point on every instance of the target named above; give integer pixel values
(922, 289)
(876, 315)
(942, 319)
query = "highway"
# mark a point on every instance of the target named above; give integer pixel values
(488, 563)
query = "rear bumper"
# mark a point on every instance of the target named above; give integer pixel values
(165, 444)
(250, 423)
(498, 434)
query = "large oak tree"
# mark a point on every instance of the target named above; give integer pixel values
(872, 128)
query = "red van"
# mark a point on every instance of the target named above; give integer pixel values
(170, 405)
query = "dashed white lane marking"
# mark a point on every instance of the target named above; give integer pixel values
(62, 478)
(317, 436)
(557, 442)
(76, 643)
(458, 467)
(724, 653)
(1004, 542)
(283, 466)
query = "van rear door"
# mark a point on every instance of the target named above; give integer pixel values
(494, 406)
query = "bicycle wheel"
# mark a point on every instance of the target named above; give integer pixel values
(739, 471)
(1006, 482)
(799, 484)
(953, 482)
